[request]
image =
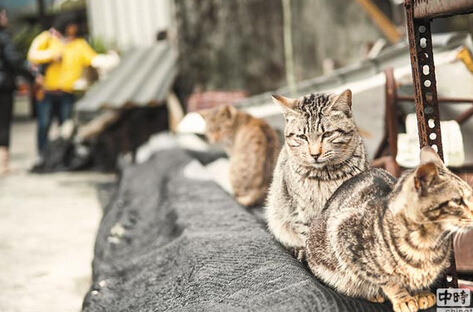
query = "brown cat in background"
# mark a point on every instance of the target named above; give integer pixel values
(252, 146)
(377, 238)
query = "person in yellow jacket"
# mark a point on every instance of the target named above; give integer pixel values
(64, 55)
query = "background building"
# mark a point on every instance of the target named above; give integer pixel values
(122, 23)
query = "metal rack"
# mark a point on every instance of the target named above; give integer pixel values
(419, 14)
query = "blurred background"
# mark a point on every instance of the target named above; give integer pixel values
(154, 63)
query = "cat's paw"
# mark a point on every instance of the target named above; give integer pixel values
(407, 304)
(425, 299)
(377, 299)
(299, 253)
(246, 200)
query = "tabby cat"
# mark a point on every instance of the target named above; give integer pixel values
(378, 238)
(252, 146)
(323, 148)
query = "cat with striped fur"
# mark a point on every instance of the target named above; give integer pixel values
(378, 238)
(322, 149)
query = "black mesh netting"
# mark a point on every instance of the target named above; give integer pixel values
(169, 243)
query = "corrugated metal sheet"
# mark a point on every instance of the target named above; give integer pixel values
(126, 23)
(143, 78)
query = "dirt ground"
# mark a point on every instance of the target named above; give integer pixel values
(47, 230)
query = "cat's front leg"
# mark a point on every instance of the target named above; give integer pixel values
(401, 299)
(425, 299)
(281, 224)
(302, 230)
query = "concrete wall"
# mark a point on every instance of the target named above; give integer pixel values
(239, 44)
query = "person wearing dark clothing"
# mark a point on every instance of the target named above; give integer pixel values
(11, 64)
(6, 111)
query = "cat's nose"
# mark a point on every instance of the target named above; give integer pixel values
(315, 156)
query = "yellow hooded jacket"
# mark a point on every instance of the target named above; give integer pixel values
(60, 75)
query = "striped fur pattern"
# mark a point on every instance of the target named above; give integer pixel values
(252, 146)
(322, 149)
(378, 238)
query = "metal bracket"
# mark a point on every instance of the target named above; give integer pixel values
(425, 85)
(425, 96)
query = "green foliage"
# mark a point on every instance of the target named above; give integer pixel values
(99, 45)
(72, 5)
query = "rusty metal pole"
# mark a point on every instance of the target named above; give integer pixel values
(423, 74)
(425, 96)
(391, 113)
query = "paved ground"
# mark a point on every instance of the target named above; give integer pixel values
(47, 230)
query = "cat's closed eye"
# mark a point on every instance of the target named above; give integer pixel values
(459, 201)
(328, 134)
(302, 137)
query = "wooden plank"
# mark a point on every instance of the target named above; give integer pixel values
(383, 23)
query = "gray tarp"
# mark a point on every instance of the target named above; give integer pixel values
(188, 246)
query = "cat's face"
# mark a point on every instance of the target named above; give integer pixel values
(438, 196)
(319, 128)
(219, 122)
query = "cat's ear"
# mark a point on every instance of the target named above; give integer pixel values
(288, 105)
(427, 172)
(428, 155)
(342, 103)
(229, 111)
(425, 175)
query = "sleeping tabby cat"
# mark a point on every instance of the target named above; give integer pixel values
(380, 238)
(322, 149)
(252, 146)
